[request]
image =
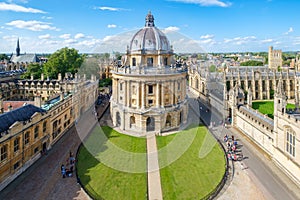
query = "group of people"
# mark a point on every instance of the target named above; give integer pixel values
(68, 169)
(232, 148)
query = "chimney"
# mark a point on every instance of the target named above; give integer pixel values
(37, 100)
(10, 108)
(42, 77)
(62, 96)
(31, 77)
(59, 77)
(1, 106)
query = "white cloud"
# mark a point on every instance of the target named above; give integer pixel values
(170, 29)
(79, 35)
(17, 8)
(207, 36)
(240, 40)
(47, 17)
(289, 31)
(32, 25)
(47, 36)
(206, 2)
(267, 41)
(109, 8)
(65, 36)
(70, 41)
(111, 26)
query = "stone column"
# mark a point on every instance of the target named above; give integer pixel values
(260, 92)
(163, 94)
(172, 92)
(128, 95)
(268, 87)
(138, 95)
(253, 88)
(157, 94)
(143, 95)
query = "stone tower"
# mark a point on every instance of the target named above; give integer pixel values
(275, 58)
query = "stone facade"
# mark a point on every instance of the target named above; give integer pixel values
(23, 141)
(149, 92)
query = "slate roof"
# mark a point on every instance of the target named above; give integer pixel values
(20, 114)
(24, 58)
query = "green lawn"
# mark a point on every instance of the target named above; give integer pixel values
(267, 107)
(112, 179)
(195, 173)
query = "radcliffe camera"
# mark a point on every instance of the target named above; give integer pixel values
(135, 100)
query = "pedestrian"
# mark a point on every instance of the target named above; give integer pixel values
(63, 171)
(232, 137)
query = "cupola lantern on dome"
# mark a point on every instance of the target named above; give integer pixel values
(149, 20)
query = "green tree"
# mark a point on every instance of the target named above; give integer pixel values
(62, 61)
(3, 57)
(34, 69)
(252, 63)
(212, 68)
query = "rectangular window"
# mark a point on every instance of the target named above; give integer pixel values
(36, 132)
(150, 89)
(26, 137)
(290, 143)
(178, 86)
(16, 144)
(45, 126)
(16, 165)
(3, 152)
(150, 102)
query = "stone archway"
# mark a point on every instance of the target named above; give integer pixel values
(150, 124)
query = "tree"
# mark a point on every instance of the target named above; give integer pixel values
(3, 57)
(212, 68)
(252, 63)
(34, 69)
(62, 61)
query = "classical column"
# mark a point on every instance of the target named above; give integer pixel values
(172, 92)
(125, 93)
(138, 95)
(128, 93)
(143, 95)
(268, 87)
(157, 94)
(260, 88)
(163, 94)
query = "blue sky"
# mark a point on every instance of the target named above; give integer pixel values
(44, 26)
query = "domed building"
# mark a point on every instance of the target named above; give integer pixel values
(149, 90)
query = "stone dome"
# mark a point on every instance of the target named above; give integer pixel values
(149, 38)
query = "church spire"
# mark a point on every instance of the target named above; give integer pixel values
(149, 20)
(18, 48)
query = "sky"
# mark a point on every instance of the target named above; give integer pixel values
(97, 26)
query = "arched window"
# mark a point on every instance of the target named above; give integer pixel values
(197, 83)
(168, 121)
(133, 61)
(290, 141)
(132, 121)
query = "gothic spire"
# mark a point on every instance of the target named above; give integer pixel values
(18, 48)
(149, 20)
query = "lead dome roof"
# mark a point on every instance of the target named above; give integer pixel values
(150, 38)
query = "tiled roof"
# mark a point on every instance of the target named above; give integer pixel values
(21, 114)
(25, 58)
(15, 104)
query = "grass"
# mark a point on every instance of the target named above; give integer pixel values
(105, 164)
(267, 107)
(195, 173)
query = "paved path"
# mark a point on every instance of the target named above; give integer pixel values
(261, 174)
(154, 184)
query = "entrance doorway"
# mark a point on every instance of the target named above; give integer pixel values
(150, 124)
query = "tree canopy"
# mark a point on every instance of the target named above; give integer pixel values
(3, 57)
(62, 61)
(252, 63)
(34, 69)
